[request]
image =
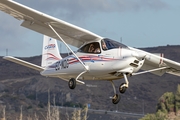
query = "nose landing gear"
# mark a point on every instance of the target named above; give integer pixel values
(116, 97)
(122, 89)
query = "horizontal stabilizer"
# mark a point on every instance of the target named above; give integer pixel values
(24, 63)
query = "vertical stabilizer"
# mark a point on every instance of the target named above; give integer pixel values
(50, 52)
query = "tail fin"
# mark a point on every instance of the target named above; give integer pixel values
(50, 52)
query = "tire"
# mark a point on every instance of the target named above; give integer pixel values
(122, 89)
(116, 99)
(72, 83)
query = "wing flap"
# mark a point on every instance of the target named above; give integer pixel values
(24, 63)
(176, 72)
(37, 21)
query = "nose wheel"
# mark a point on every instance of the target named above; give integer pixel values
(116, 98)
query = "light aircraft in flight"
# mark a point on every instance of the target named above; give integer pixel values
(97, 58)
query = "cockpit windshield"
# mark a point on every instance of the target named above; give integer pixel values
(111, 44)
(106, 44)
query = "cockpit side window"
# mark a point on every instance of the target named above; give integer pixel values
(103, 45)
(91, 48)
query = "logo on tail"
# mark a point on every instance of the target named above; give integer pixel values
(50, 46)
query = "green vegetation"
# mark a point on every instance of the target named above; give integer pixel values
(168, 103)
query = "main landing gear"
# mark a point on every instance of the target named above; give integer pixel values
(122, 89)
(72, 83)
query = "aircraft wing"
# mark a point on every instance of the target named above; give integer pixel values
(154, 61)
(169, 66)
(174, 67)
(38, 21)
(24, 63)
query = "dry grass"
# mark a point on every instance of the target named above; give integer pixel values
(53, 113)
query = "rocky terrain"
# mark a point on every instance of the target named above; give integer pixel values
(21, 86)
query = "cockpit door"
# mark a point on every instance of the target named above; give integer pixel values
(113, 48)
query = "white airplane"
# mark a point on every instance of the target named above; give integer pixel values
(97, 58)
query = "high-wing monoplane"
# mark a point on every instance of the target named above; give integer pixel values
(98, 58)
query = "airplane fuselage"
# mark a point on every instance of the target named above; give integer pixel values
(103, 66)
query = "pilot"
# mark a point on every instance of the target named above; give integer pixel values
(91, 48)
(104, 47)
